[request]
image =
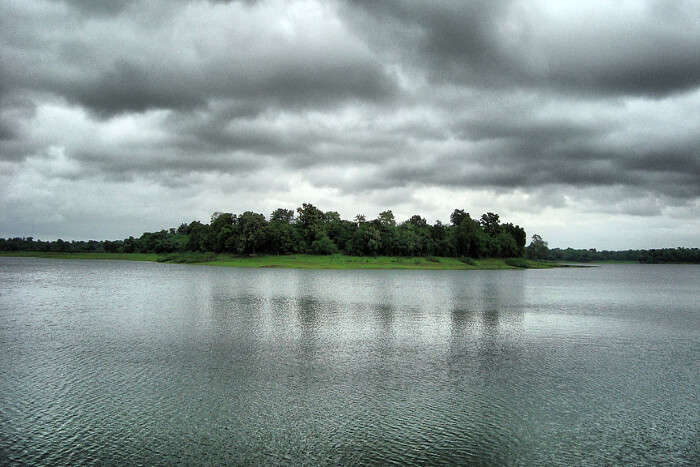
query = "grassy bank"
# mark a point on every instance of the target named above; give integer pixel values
(367, 262)
(60, 255)
(302, 261)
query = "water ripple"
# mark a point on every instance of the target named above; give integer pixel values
(129, 363)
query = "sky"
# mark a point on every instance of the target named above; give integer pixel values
(578, 120)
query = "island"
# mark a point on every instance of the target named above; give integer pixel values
(310, 238)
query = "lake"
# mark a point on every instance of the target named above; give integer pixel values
(127, 362)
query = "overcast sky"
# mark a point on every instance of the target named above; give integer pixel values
(578, 120)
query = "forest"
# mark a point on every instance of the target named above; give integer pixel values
(313, 231)
(310, 230)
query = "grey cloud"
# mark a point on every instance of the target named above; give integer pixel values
(168, 166)
(97, 7)
(511, 44)
(115, 7)
(109, 74)
(536, 156)
(14, 111)
(523, 128)
(129, 87)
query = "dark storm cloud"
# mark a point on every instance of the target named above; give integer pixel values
(166, 166)
(115, 7)
(503, 43)
(113, 70)
(98, 7)
(130, 87)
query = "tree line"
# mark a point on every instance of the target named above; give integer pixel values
(538, 249)
(310, 230)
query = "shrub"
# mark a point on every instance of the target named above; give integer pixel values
(323, 246)
(517, 262)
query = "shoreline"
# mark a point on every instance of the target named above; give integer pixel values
(302, 261)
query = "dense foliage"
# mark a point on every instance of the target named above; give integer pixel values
(310, 230)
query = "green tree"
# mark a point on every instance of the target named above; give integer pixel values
(339, 231)
(310, 222)
(251, 232)
(198, 235)
(537, 249)
(518, 234)
(386, 224)
(467, 241)
(221, 228)
(366, 240)
(386, 219)
(282, 238)
(284, 216)
(507, 247)
(490, 224)
(457, 216)
(323, 245)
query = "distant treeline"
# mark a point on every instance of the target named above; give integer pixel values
(661, 255)
(310, 230)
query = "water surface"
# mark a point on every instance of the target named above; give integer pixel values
(125, 362)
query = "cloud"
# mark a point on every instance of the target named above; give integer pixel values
(634, 48)
(159, 55)
(537, 109)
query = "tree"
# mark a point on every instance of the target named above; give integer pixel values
(221, 228)
(331, 216)
(507, 247)
(386, 219)
(129, 245)
(323, 245)
(310, 222)
(408, 243)
(466, 236)
(198, 237)
(537, 249)
(282, 238)
(457, 216)
(251, 232)
(490, 224)
(442, 241)
(386, 225)
(417, 221)
(284, 216)
(518, 234)
(366, 240)
(339, 231)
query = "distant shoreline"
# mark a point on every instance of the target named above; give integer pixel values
(300, 261)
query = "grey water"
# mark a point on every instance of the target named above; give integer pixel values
(110, 362)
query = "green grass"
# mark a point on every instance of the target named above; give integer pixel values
(337, 261)
(61, 255)
(188, 257)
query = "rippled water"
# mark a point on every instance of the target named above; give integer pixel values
(121, 362)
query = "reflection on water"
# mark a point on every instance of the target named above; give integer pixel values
(118, 362)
